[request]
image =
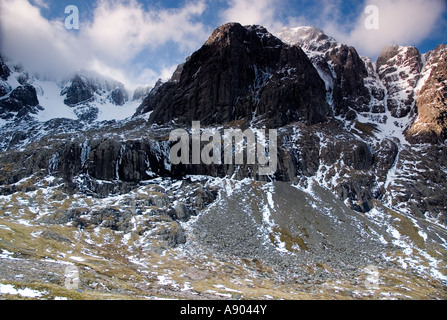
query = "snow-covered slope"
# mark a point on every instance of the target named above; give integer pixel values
(87, 96)
(33, 106)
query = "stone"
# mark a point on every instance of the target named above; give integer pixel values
(47, 234)
(26, 95)
(160, 200)
(181, 212)
(119, 96)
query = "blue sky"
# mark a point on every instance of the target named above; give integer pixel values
(138, 41)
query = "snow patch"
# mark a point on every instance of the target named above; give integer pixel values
(26, 292)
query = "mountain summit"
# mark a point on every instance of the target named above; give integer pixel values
(242, 73)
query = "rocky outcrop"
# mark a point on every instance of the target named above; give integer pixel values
(340, 66)
(431, 102)
(82, 88)
(399, 69)
(100, 161)
(241, 72)
(4, 70)
(99, 167)
(26, 95)
(78, 91)
(21, 101)
(350, 91)
(119, 96)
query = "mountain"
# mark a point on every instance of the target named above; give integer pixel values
(241, 73)
(85, 96)
(359, 183)
(342, 69)
(389, 87)
(31, 105)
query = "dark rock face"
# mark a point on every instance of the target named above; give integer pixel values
(4, 70)
(4, 88)
(97, 166)
(343, 163)
(240, 71)
(431, 102)
(26, 95)
(21, 101)
(79, 90)
(350, 71)
(110, 160)
(384, 158)
(118, 96)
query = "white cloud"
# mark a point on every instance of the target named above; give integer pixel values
(403, 22)
(32, 40)
(121, 30)
(118, 32)
(132, 43)
(41, 3)
(246, 12)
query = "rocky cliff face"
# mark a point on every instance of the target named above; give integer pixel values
(430, 124)
(386, 103)
(4, 70)
(401, 84)
(399, 69)
(21, 101)
(238, 74)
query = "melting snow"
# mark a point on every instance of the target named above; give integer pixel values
(27, 292)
